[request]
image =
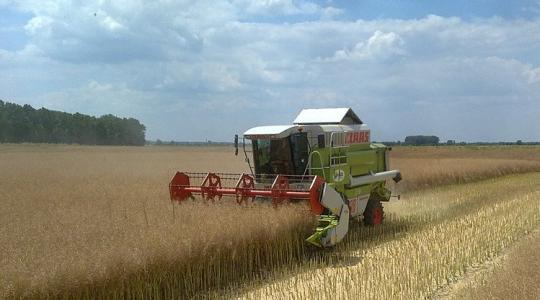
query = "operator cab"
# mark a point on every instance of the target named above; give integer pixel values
(288, 155)
(285, 149)
(279, 149)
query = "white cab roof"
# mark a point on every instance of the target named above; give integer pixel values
(344, 116)
(272, 132)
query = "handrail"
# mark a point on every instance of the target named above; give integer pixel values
(310, 158)
(332, 140)
(339, 159)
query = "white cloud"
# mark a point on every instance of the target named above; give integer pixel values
(93, 96)
(284, 7)
(39, 25)
(220, 78)
(330, 12)
(533, 75)
(111, 24)
(379, 46)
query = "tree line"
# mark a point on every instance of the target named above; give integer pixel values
(24, 124)
(431, 140)
(421, 140)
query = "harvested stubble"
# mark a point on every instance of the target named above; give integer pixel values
(513, 275)
(96, 222)
(429, 240)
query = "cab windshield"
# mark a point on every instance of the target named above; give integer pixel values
(272, 156)
(277, 156)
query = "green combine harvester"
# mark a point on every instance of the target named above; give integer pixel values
(326, 158)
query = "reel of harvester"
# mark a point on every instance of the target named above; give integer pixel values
(246, 187)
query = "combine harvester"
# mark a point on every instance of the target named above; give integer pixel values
(325, 158)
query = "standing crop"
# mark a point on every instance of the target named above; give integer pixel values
(87, 222)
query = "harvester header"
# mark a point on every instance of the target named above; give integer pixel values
(325, 157)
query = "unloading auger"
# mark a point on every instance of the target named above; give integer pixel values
(325, 158)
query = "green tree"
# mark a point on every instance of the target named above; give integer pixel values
(26, 124)
(421, 140)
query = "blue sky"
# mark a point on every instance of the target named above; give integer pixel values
(407, 9)
(197, 70)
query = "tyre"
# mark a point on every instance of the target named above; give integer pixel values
(374, 214)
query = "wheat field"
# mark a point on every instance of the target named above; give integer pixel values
(96, 222)
(425, 167)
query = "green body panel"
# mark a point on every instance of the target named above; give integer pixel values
(335, 164)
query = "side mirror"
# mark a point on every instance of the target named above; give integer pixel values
(236, 144)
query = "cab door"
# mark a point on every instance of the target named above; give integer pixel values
(300, 151)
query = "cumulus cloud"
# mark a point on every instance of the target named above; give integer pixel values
(533, 75)
(119, 31)
(111, 24)
(380, 46)
(287, 7)
(161, 60)
(39, 25)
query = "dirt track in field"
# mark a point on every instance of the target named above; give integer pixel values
(513, 275)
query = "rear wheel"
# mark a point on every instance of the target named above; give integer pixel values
(374, 214)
